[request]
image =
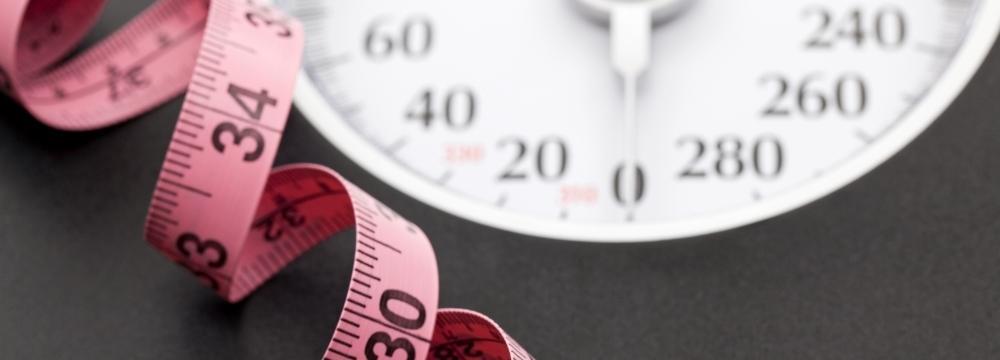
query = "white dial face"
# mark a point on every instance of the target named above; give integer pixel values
(533, 115)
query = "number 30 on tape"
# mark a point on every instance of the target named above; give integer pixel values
(218, 209)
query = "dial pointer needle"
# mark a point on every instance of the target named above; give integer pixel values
(631, 25)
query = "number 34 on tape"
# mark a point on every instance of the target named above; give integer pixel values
(218, 208)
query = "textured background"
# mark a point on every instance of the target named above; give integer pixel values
(903, 264)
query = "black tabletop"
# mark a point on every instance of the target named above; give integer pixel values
(903, 263)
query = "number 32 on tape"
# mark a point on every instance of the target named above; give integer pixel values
(218, 208)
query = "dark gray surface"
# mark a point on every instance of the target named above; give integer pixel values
(902, 264)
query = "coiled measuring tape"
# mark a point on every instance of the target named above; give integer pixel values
(218, 208)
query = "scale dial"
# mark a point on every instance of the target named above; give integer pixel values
(515, 113)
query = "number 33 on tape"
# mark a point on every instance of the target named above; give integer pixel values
(218, 209)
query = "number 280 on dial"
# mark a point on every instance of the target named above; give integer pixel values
(613, 120)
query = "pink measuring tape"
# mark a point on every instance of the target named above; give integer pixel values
(218, 208)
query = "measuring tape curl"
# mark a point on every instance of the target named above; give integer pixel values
(218, 209)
